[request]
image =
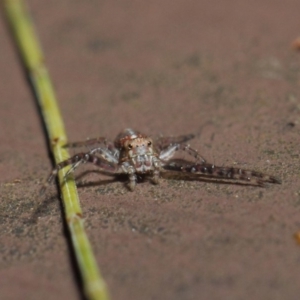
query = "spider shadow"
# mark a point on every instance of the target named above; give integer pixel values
(169, 175)
(123, 178)
(42, 209)
(80, 183)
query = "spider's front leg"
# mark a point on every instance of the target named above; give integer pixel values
(78, 159)
(167, 153)
(157, 168)
(128, 169)
(229, 173)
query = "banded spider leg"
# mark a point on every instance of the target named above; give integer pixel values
(207, 170)
(105, 166)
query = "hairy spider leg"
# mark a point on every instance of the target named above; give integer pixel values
(108, 151)
(82, 158)
(170, 151)
(127, 168)
(163, 142)
(231, 173)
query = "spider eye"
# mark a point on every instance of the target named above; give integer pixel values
(129, 146)
(149, 143)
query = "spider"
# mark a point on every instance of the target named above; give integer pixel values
(137, 155)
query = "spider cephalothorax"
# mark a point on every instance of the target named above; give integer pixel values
(134, 154)
(137, 150)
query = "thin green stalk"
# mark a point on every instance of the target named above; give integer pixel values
(20, 21)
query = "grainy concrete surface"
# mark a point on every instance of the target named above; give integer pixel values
(162, 67)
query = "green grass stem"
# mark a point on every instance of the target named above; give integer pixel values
(31, 53)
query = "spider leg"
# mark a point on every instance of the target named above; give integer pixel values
(128, 169)
(73, 168)
(106, 154)
(163, 142)
(78, 159)
(157, 168)
(228, 173)
(107, 150)
(167, 153)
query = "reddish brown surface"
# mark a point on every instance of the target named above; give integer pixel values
(168, 67)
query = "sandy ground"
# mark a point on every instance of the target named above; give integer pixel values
(162, 67)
